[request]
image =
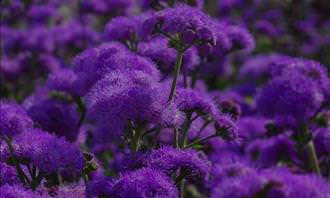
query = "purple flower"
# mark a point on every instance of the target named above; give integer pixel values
(102, 7)
(144, 183)
(251, 128)
(268, 152)
(237, 187)
(193, 100)
(62, 80)
(158, 50)
(157, 4)
(47, 152)
(71, 191)
(192, 165)
(18, 191)
(41, 13)
(98, 187)
(259, 67)
(190, 23)
(290, 99)
(8, 174)
(14, 119)
(53, 115)
(124, 96)
(240, 38)
(95, 63)
(122, 29)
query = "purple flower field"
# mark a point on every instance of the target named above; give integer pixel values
(165, 99)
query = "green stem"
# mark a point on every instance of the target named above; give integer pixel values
(185, 129)
(135, 137)
(182, 184)
(21, 175)
(81, 109)
(312, 157)
(176, 73)
(200, 140)
(176, 138)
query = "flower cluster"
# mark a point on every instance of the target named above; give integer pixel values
(164, 99)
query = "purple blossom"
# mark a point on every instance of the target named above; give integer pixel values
(47, 152)
(190, 23)
(144, 183)
(168, 160)
(122, 29)
(268, 152)
(124, 96)
(291, 99)
(158, 50)
(62, 80)
(19, 191)
(100, 186)
(14, 119)
(53, 115)
(8, 174)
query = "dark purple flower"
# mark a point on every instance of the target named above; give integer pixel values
(62, 80)
(291, 99)
(53, 115)
(190, 23)
(8, 174)
(18, 191)
(98, 187)
(268, 152)
(144, 183)
(191, 163)
(122, 29)
(158, 50)
(157, 4)
(112, 7)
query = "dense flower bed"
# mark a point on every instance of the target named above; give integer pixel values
(165, 99)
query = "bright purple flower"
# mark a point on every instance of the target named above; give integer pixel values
(47, 152)
(14, 119)
(93, 64)
(123, 96)
(193, 100)
(168, 160)
(144, 183)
